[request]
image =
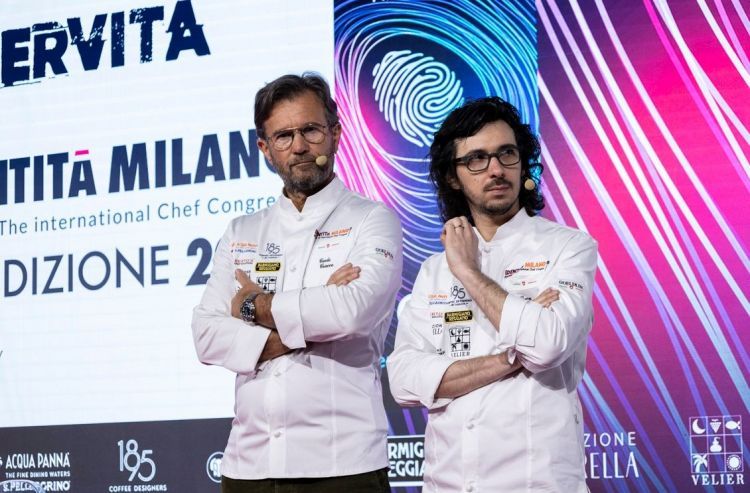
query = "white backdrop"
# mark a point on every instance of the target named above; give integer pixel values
(125, 353)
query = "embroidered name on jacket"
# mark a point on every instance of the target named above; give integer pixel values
(325, 262)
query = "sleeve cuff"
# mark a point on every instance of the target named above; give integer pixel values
(245, 350)
(433, 374)
(285, 308)
(518, 323)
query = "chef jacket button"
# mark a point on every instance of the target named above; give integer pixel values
(293, 268)
(469, 488)
(470, 426)
(299, 218)
(277, 434)
(277, 373)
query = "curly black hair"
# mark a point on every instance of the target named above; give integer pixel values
(467, 121)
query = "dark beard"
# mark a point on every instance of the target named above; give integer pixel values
(496, 210)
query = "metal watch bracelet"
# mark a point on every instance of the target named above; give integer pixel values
(247, 309)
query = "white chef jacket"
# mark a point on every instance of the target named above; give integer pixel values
(523, 433)
(317, 411)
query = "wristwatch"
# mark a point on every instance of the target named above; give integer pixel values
(247, 309)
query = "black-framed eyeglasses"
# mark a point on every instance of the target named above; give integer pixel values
(508, 156)
(313, 133)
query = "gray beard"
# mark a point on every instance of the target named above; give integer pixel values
(307, 185)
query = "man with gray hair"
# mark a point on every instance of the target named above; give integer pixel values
(298, 305)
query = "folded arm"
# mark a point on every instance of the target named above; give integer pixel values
(338, 312)
(541, 338)
(219, 338)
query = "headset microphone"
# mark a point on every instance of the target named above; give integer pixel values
(321, 160)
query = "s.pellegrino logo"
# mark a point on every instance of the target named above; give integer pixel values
(21, 485)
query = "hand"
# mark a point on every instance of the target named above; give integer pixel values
(273, 348)
(344, 275)
(247, 287)
(547, 297)
(461, 246)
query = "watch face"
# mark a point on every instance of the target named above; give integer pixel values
(247, 311)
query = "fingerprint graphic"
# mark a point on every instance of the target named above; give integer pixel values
(402, 65)
(415, 93)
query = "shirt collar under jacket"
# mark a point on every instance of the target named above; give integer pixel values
(318, 204)
(516, 224)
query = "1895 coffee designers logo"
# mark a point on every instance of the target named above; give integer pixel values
(138, 466)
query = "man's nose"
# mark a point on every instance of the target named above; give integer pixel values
(495, 168)
(299, 144)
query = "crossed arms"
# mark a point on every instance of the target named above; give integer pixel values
(537, 337)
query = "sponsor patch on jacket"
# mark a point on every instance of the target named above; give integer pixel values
(528, 266)
(383, 252)
(437, 299)
(437, 328)
(243, 248)
(268, 283)
(267, 266)
(336, 233)
(326, 245)
(458, 316)
(271, 250)
(570, 285)
(460, 341)
(523, 282)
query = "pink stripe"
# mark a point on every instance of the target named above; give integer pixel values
(732, 34)
(700, 105)
(82, 152)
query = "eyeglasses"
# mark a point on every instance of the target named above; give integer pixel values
(509, 157)
(313, 133)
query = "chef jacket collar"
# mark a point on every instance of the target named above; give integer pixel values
(318, 204)
(516, 224)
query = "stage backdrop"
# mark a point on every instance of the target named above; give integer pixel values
(128, 144)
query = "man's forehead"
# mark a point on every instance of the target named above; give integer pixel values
(492, 134)
(299, 108)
